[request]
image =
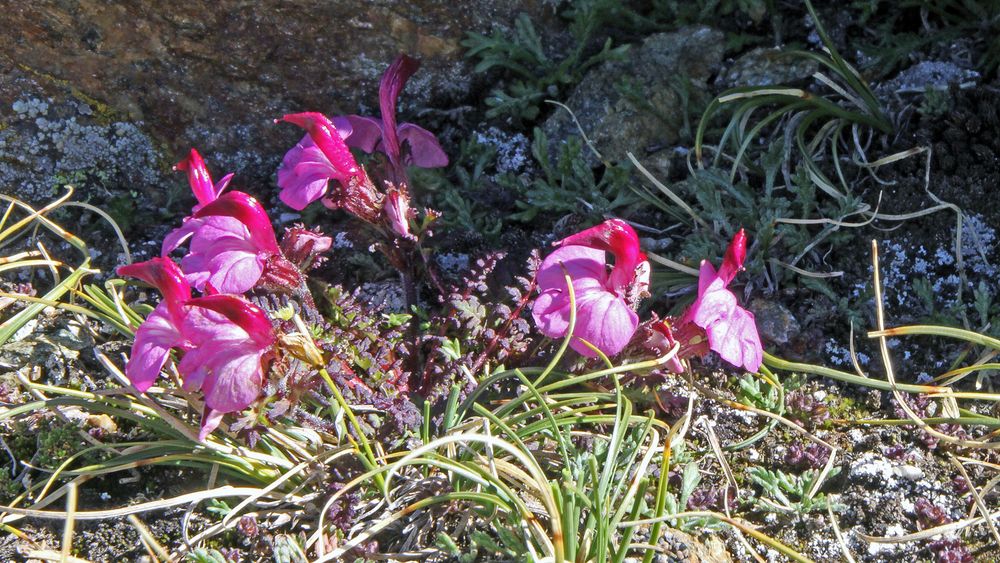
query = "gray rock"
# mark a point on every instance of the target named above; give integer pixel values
(388, 296)
(47, 142)
(936, 75)
(630, 105)
(214, 74)
(766, 67)
(774, 321)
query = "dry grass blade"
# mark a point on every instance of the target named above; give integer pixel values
(148, 539)
(49, 555)
(67, 539)
(220, 492)
(977, 498)
(840, 537)
(881, 334)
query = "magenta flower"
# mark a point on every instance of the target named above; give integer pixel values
(605, 302)
(204, 191)
(232, 243)
(321, 156)
(715, 321)
(384, 135)
(201, 181)
(224, 339)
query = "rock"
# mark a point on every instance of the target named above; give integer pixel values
(119, 79)
(633, 104)
(388, 296)
(766, 67)
(774, 321)
(937, 75)
(679, 546)
(909, 472)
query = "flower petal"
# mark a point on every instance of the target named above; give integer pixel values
(551, 313)
(366, 132)
(247, 210)
(393, 81)
(328, 139)
(164, 275)
(198, 178)
(618, 238)
(210, 420)
(177, 236)
(714, 306)
(604, 320)
(153, 340)
(736, 254)
(735, 339)
(224, 255)
(222, 184)
(425, 151)
(304, 174)
(247, 316)
(579, 262)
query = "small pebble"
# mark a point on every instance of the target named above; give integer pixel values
(909, 472)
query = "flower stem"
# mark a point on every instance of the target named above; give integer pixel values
(368, 456)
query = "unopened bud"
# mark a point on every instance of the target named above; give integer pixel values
(302, 348)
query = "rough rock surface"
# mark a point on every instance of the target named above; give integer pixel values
(766, 67)
(633, 104)
(215, 75)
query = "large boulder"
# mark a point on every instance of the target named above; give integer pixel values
(630, 105)
(118, 82)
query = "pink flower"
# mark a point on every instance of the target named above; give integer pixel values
(201, 182)
(204, 191)
(321, 156)
(715, 321)
(224, 339)
(605, 302)
(384, 135)
(232, 243)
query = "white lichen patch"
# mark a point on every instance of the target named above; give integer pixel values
(513, 149)
(47, 145)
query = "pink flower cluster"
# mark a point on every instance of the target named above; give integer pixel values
(224, 339)
(323, 155)
(606, 301)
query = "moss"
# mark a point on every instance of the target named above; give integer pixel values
(9, 488)
(57, 443)
(844, 408)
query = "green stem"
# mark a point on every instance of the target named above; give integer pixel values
(369, 456)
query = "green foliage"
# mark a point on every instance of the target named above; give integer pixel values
(55, 443)
(677, 502)
(750, 393)
(778, 220)
(569, 185)
(9, 487)
(936, 102)
(459, 190)
(791, 491)
(779, 171)
(535, 74)
(895, 39)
